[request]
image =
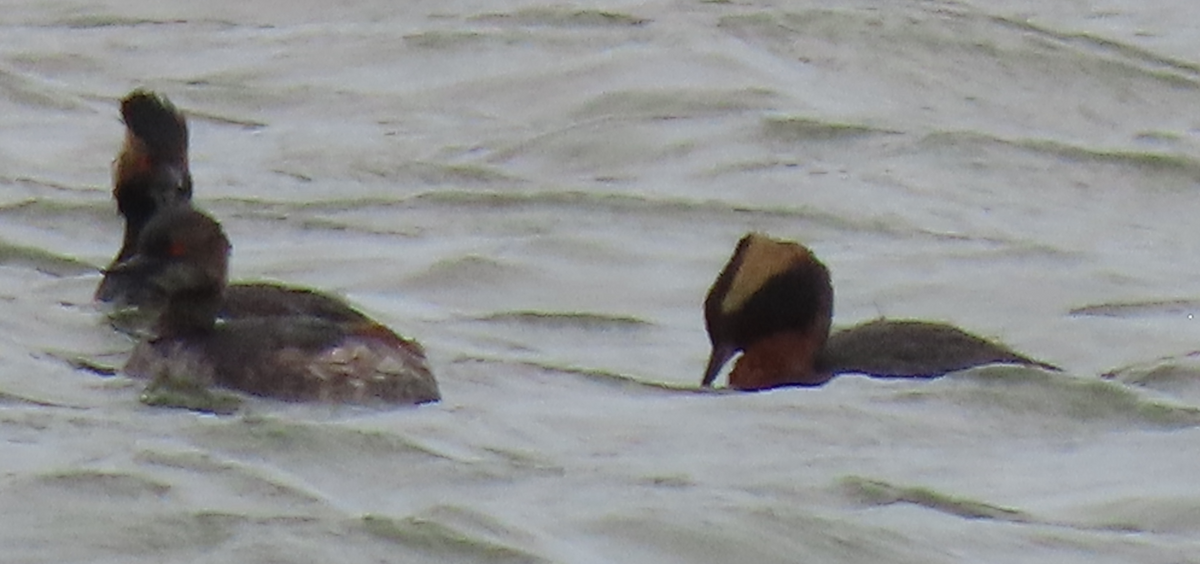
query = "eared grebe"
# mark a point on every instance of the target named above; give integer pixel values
(183, 254)
(774, 302)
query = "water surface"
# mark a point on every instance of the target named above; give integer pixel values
(541, 193)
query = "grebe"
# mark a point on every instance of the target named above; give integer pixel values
(773, 301)
(183, 254)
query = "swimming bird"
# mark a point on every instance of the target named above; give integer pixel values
(773, 302)
(184, 254)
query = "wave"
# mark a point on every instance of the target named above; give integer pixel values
(538, 371)
(881, 493)
(981, 43)
(1177, 376)
(1028, 397)
(798, 128)
(566, 320)
(581, 206)
(456, 533)
(1145, 162)
(557, 16)
(42, 260)
(1134, 309)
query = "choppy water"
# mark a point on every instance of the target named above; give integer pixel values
(541, 193)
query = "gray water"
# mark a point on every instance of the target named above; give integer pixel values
(541, 193)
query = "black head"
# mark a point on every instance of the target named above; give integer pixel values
(183, 256)
(180, 250)
(157, 122)
(768, 286)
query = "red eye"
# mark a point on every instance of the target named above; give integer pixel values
(177, 249)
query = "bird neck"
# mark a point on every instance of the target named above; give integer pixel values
(190, 312)
(784, 359)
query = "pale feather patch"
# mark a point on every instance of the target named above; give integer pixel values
(127, 165)
(762, 259)
(362, 370)
(177, 360)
